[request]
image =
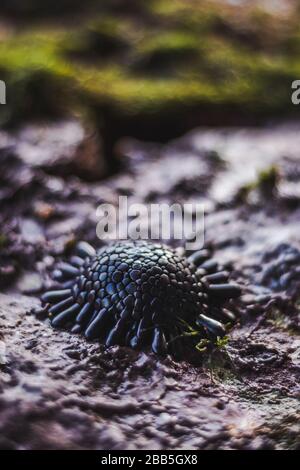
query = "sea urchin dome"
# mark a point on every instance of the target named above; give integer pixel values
(139, 294)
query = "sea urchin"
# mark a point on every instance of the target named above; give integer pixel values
(139, 294)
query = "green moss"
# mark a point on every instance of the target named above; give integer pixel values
(3, 241)
(268, 179)
(38, 81)
(190, 16)
(166, 50)
(266, 183)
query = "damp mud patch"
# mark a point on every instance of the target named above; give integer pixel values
(59, 391)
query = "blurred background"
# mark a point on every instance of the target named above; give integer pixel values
(151, 69)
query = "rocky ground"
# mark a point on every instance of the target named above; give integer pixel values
(60, 392)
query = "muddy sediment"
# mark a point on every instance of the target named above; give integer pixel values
(59, 391)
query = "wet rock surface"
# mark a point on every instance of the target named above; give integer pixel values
(59, 391)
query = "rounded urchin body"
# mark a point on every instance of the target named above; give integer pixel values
(139, 294)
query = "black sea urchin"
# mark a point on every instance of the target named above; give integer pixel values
(139, 294)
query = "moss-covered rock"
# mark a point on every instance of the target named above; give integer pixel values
(156, 68)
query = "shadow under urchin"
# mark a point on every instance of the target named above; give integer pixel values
(141, 295)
